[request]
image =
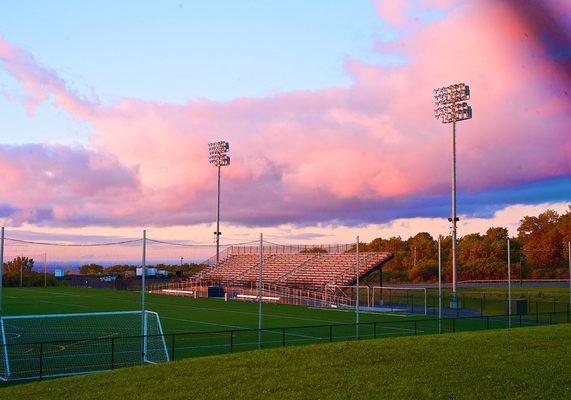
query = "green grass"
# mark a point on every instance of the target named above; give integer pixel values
(192, 328)
(178, 314)
(546, 293)
(528, 363)
(209, 320)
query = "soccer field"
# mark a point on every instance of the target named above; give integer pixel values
(191, 328)
(178, 314)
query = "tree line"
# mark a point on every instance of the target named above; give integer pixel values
(539, 251)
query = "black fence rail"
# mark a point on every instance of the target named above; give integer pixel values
(471, 305)
(39, 360)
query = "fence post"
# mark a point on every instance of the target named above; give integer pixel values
(481, 306)
(487, 322)
(330, 333)
(375, 328)
(453, 325)
(41, 360)
(415, 327)
(231, 341)
(484, 298)
(283, 337)
(112, 353)
(172, 347)
(550, 319)
(520, 320)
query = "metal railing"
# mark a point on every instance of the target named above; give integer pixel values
(39, 360)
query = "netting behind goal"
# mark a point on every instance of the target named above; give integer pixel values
(67, 344)
(385, 298)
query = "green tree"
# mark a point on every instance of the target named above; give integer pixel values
(90, 269)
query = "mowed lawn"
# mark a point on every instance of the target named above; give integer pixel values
(545, 293)
(528, 363)
(178, 314)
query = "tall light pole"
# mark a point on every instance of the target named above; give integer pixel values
(439, 284)
(357, 267)
(218, 156)
(451, 107)
(509, 285)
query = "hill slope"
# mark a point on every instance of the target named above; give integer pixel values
(521, 363)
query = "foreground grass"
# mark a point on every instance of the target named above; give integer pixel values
(522, 363)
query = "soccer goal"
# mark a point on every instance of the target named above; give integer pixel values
(385, 298)
(405, 299)
(52, 345)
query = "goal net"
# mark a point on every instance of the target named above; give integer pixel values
(51, 345)
(404, 299)
(385, 298)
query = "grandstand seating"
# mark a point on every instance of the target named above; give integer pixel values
(296, 269)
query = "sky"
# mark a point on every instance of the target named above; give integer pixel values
(106, 110)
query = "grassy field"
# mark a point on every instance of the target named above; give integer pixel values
(191, 327)
(178, 314)
(92, 344)
(546, 293)
(527, 363)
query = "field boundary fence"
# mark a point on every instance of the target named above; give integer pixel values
(42, 360)
(374, 298)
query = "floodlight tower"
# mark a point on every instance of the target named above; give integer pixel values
(218, 156)
(451, 107)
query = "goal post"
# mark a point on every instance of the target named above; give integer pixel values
(385, 298)
(4, 364)
(52, 345)
(400, 298)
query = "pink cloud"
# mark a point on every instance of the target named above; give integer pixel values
(329, 152)
(48, 183)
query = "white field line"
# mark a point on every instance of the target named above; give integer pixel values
(50, 294)
(361, 312)
(62, 304)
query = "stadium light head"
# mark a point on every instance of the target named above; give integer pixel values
(451, 103)
(218, 153)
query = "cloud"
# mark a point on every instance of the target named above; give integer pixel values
(338, 154)
(57, 184)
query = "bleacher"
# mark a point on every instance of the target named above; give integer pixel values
(308, 270)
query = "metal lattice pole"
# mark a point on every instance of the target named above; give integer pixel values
(357, 299)
(260, 293)
(569, 256)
